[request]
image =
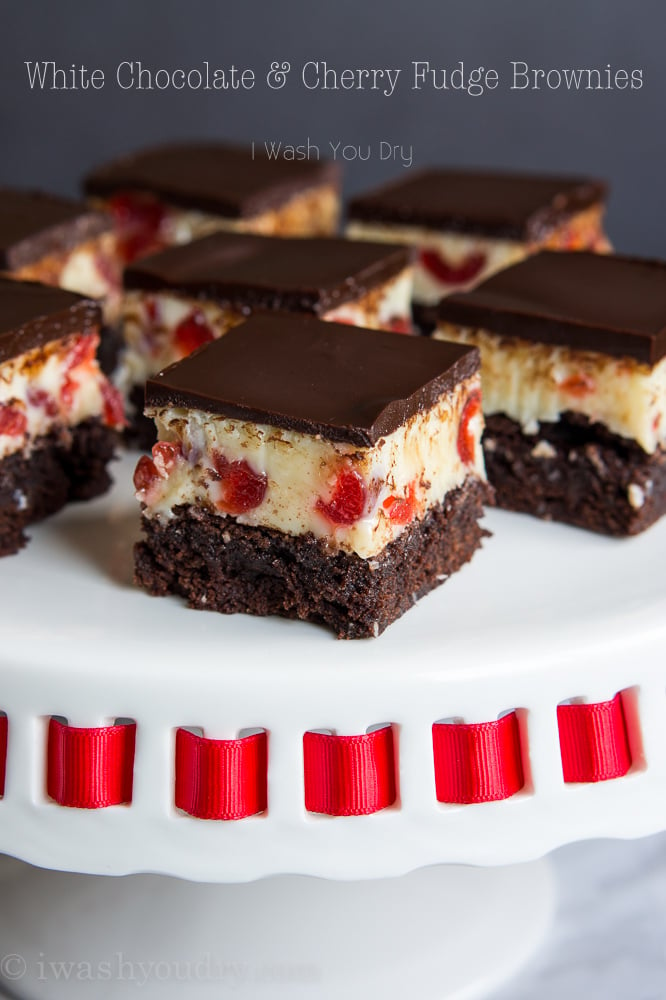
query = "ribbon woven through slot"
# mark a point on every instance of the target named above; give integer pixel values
(221, 779)
(90, 768)
(593, 741)
(477, 762)
(349, 775)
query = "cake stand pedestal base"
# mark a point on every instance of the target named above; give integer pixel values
(443, 932)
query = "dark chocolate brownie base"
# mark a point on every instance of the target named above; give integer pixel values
(581, 474)
(140, 431)
(220, 565)
(111, 344)
(58, 470)
(424, 318)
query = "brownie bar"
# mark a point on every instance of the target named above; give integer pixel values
(174, 194)
(55, 472)
(233, 568)
(34, 225)
(577, 472)
(221, 179)
(609, 304)
(55, 241)
(470, 224)
(59, 415)
(248, 271)
(311, 470)
(509, 206)
(571, 341)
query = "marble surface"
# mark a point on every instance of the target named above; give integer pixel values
(608, 938)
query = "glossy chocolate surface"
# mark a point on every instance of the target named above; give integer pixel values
(588, 302)
(303, 374)
(34, 225)
(511, 206)
(224, 180)
(32, 315)
(303, 275)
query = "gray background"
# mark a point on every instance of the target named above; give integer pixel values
(49, 139)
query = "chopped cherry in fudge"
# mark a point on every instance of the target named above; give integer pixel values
(242, 487)
(13, 421)
(347, 501)
(467, 435)
(452, 274)
(139, 219)
(192, 332)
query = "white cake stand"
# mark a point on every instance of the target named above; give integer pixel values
(543, 614)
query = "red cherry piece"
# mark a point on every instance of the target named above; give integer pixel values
(135, 245)
(400, 324)
(578, 385)
(43, 400)
(13, 422)
(165, 456)
(114, 411)
(452, 274)
(109, 271)
(83, 352)
(466, 437)
(139, 219)
(348, 500)
(67, 392)
(242, 487)
(401, 510)
(191, 333)
(220, 463)
(145, 474)
(152, 311)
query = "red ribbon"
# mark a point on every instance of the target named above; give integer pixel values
(90, 768)
(221, 779)
(477, 762)
(349, 775)
(3, 752)
(593, 741)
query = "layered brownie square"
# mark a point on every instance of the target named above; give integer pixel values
(309, 470)
(56, 241)
(573, 350)
(59, 416)
(469, 224)
(188, 295)
(173, 194)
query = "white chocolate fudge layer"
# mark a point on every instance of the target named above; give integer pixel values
(161, 328)
(451, 261)
(533, 383)
(52, 388)
(315, 212)
(356, 499)
(386, 307)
